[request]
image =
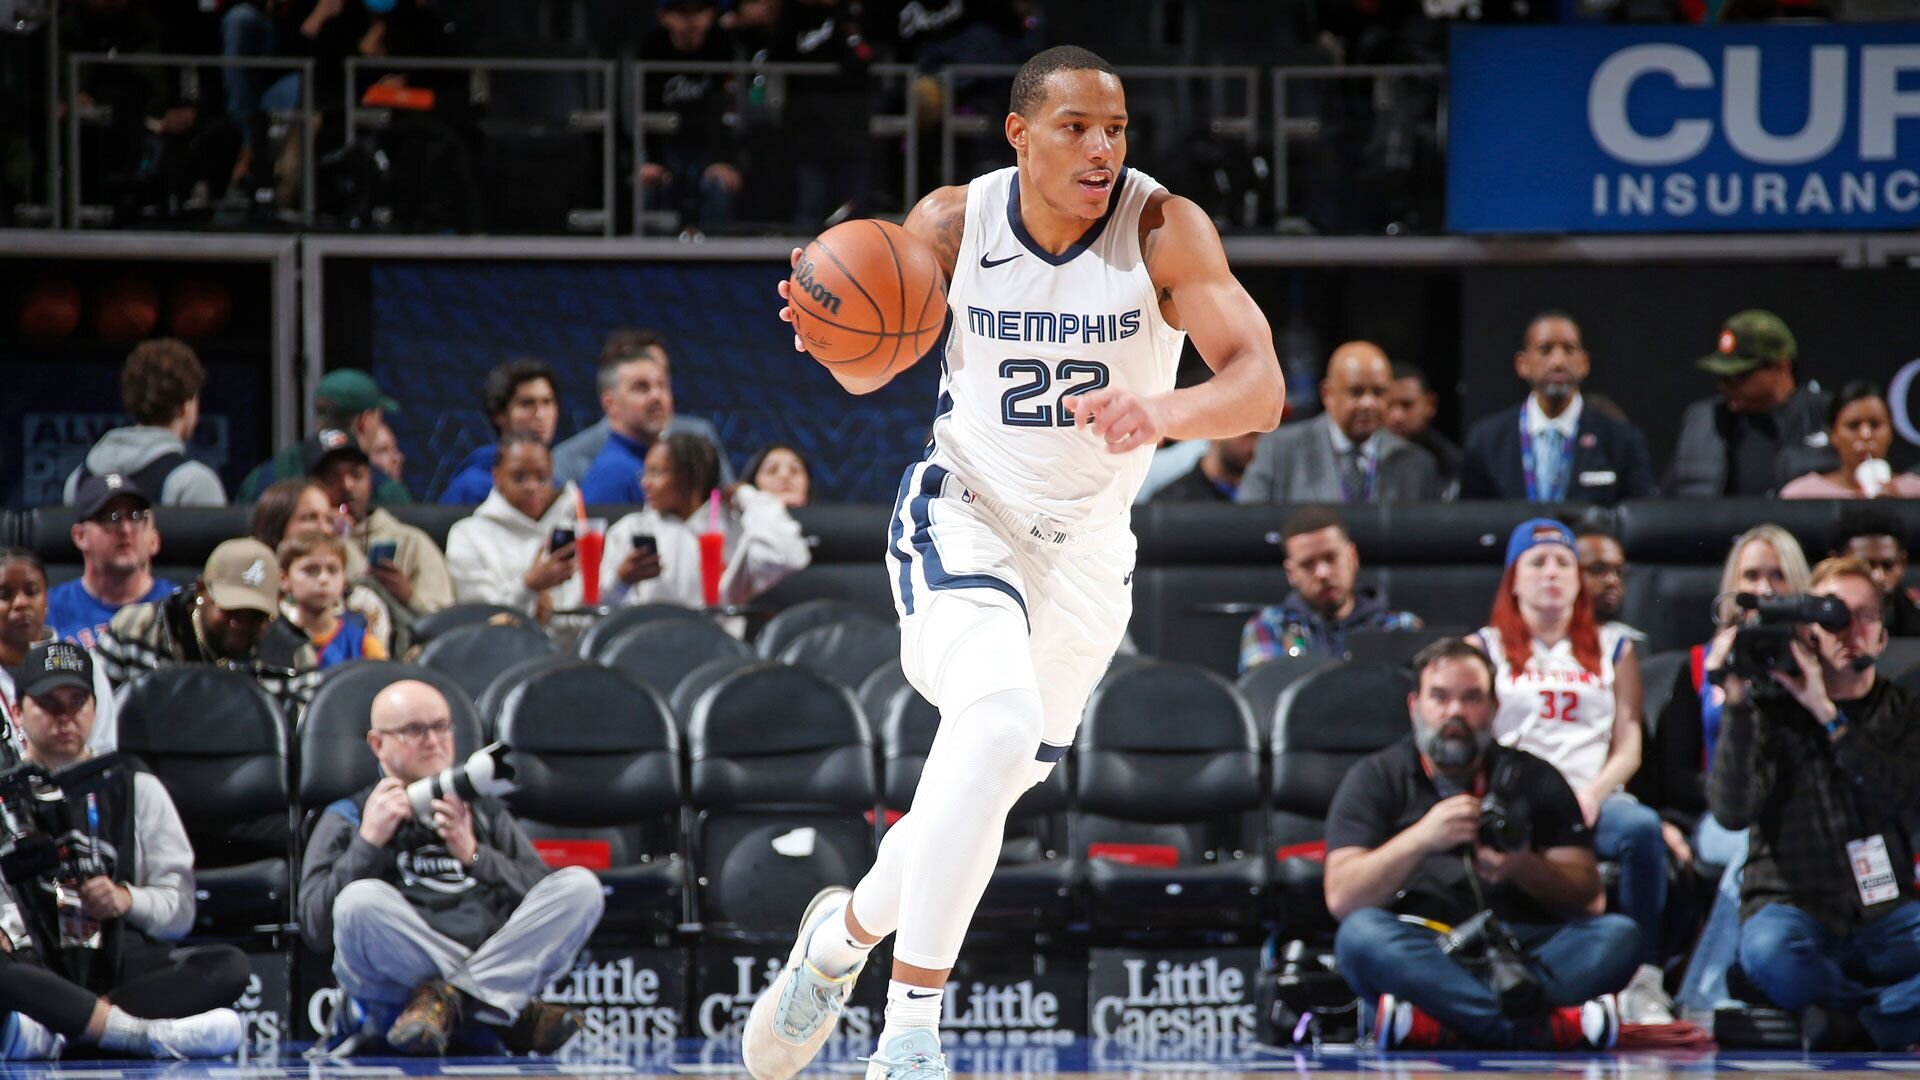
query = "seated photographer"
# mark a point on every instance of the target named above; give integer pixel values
(445, 922)
(763, 542)
(1569, 693)
(502, 554)
(84, 959)
(227, 617)
(1448, 825)
(1819, 760)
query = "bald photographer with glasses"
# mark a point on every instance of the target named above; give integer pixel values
(1819, 759)
(437, 925)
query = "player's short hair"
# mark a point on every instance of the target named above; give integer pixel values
(159, 378)
(1449, 648)
(505, 380)
(1312, 519)
(1030, 83)
(1858, 523)
(1542, 316)
(310, 543)
(696, 464)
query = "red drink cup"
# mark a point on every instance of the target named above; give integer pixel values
(591, 542)
(713, 563)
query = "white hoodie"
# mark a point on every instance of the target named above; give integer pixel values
(764, 545)
(490, 553)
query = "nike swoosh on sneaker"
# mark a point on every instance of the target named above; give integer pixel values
(988, 264)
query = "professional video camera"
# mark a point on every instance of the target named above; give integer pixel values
(32, 847)
(1506, 821)
(1765, 645)
(487, 772)
(1485, 946)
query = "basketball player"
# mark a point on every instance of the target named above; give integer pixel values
(1072, 283)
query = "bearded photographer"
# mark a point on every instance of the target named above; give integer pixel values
(1449, 831)
(449, 923)
(1819, 759)
(85, 959)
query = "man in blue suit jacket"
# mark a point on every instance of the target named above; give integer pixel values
(1555, 446)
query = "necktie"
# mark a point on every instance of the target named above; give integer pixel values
(1552, 445)
(1353, 476)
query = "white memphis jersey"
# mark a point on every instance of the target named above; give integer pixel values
(1031, 328)
(1556, 709)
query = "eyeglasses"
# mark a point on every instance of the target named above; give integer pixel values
(1872, 616)
(415, 734)
(114, 517)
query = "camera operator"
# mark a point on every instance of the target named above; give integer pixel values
(453, 923)
(1446, 826)
(1819, 759)
(84, 959)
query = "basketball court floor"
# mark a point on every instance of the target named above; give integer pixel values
(1065, 1061)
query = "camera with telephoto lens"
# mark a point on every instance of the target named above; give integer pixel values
(486, 773)
(1765, 645)
(1506, 821)
(1484, 946)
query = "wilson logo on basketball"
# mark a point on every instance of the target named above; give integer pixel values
(803, 277)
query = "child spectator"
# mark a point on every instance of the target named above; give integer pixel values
(313, 582)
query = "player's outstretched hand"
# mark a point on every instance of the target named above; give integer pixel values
(1124, 419)
(786, 309)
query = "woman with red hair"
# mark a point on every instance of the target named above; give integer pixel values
(1569, 694)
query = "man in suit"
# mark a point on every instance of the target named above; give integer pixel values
(1344, 455)
(1553, 447)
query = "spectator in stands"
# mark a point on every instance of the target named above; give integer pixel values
(1552, 447)
(763, 542)
(160, 387)
(402, 559)
(296, 506)
(504, 553)
(781, 470)
(346, 400)
(642, 394)
(1874, 539)
(23, 625)
(1763, 429)
(1569, 693)
(1860, 431)
(383, 452)
(1824, 777)
(446, 922)
(1765, 561)
(1603, 577)
(228, 618)
(691, 170)
(1216, 478)
(520, 397)
(117, 540)
(1345, 455)
(1411, 403)
(1403, 840)
(1326, 604)
(313, 576)
(125, 991)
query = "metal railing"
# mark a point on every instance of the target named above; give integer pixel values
(77, 214)
(1290, 128)
(479, 93)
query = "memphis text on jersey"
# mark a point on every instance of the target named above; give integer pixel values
(1052, 327)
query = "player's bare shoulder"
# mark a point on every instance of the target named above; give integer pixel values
(1177, 242)
(941, 220)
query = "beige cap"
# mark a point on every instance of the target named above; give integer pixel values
(243, 575)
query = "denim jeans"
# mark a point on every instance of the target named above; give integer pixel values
(1873, 971)
(1704, 986)
(1628, 835)
(245, 30)
(1574, 961)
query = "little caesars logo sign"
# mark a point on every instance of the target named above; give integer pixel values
(634, 997)
(1177, 998)
(722, 1010)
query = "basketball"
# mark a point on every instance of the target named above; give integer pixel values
(50, 309)
(197, 309)
(126, 309)
(866, 298)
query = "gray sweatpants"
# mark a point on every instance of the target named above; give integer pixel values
(383, 949)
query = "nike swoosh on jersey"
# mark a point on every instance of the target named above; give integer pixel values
(988, 264)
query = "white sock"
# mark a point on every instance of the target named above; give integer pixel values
(909, 1007)
(125, 1033)
(832, 949)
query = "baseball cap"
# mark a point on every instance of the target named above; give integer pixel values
(345, 391)
(243, 575)
(326, 443)
(1532, 533)
(1747, 340)
(51, 665)
(95, 492)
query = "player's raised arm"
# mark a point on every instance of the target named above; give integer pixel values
(1247, 391)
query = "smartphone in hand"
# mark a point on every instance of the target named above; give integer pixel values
(646, 542)
(382, 552)
(562, 536)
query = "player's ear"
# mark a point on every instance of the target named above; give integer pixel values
(1017, 130)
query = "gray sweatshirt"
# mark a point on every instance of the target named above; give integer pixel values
(130, 449)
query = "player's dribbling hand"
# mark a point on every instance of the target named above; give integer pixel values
(1123, 419)
(786, 307)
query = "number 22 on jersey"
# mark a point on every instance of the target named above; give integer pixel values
(1036, 379)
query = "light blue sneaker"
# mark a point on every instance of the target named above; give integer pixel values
(912, 1055)
(793, 1018)
(23, 1038)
